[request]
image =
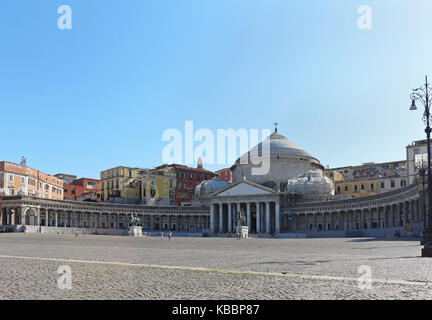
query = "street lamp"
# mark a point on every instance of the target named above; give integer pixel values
(423, 94)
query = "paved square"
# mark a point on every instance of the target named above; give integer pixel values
(114, 267)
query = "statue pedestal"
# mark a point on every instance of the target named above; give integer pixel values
(135, 231)
(243, 230)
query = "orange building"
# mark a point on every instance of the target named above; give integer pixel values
(81, 189)
(18, 179)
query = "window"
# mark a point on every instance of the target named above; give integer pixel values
(11, 177)
(346, 188)
(382, 185)
(362, 187)
(171, 184)
(355, 188)
(152, 181)
(392, 184)
(372, 186)
(403, 183)
(338, 189)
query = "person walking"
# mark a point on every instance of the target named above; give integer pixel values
(169, 235)
(161, 235)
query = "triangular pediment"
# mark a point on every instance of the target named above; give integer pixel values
(244, 188)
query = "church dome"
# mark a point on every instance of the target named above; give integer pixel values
(277, 159)
(280, 145)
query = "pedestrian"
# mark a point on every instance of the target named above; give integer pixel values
(161, 235)
(76, 234)
(169, 235)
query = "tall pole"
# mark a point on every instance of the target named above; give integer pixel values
(428, 132)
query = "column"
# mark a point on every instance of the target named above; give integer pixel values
(38, 217)
(268, 217)
(258, 218)
(385, 217)
(22, 216)
(378, 217)
(315, 227)
(99, 220)
(340, 220)
(55, 218)
(370, 217)
(248, 213)
(237, 212)
(230, 228)
(324, 222)
(405, 215)
(399, 214)
(221, 226)
(331, 220)
(277, 213)
(307, 221)
(212, 218)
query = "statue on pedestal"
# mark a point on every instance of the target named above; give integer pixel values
(135, 226)
(242, 228)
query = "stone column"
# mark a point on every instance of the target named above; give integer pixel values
(405, 216)
(212, 218)
(370, 217)
(268, 229)
(307, 221)
(38, 217)
(56, 218)
(324, 222)
(277, 220)
(230, 224)
(400, 214)
(237, 212)
(340, 220)
(46, 217)
(258, 218)
(385, 217)
(221, 226)
(249, 219)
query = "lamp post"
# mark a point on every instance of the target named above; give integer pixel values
(423, 95)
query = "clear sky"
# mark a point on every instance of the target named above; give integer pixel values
(101, 95)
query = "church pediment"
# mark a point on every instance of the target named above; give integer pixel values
(244, 189)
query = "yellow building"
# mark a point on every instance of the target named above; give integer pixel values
(357, 188)
(158, 187)
(334, 175)
(121, 184)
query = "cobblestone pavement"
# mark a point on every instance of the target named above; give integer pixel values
(114, 267)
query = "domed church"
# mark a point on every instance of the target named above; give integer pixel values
(292, 175)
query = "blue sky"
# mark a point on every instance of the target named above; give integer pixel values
(100, 95)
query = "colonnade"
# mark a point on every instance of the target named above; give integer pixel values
(402, 214)
(102, 220)
(260, 216)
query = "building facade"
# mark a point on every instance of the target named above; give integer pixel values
(187, 179)
(368, 179)
(416, 154)
(18, 179)
(158, 187)
(120, 185)
(224, 174)
(83, 188)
